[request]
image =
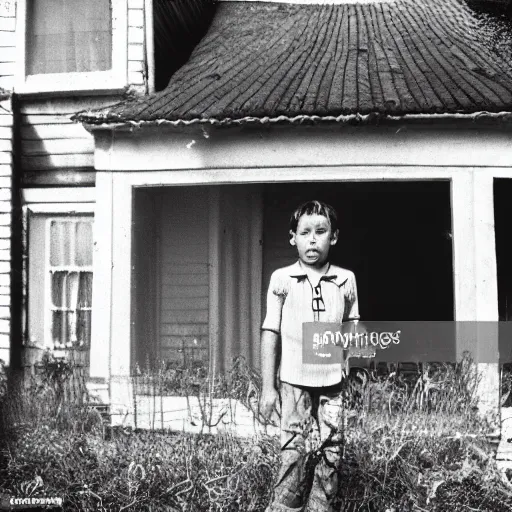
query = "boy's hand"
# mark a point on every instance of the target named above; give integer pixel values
(268, 401)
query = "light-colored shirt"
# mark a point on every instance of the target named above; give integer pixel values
(290, 302)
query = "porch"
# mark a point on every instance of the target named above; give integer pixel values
(439, 219)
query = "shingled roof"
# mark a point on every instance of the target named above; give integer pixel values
(268, 61)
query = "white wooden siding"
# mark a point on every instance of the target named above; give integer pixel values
(7, 43)
(184, 284)
(5, 226)
(137, 75)
(50, 141)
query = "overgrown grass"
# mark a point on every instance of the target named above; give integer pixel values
(411, 443)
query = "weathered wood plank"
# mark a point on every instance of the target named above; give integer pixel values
(5, 280)
(185, 280)
(5, 132)
(184, 329)
(6, 120)
(135, 35)
(7, 23)
(37, 119)
(179, 303)
(7, 82)
(185, 317)
(8, 54)
(5, 231)
(7, 68)
(5, 326)
(8, 8)
(177, 342)
(44, 163)
(59, 178)
(59, 195)
(135, 66)
(136, 77)
(5, 145)
(135, 4)
(69, 106)
(136, 52)
(5, 157)
(5, 170)
(57, 147)
(188, 268)
(54, 131)
(184, 291)
(135, 17)
(7, 38)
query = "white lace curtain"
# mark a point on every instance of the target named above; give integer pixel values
(65, 36)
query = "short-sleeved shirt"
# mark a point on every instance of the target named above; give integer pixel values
(292, 300)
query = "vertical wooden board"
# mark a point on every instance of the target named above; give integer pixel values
(184, 259)
(121, 275)
(102, 285)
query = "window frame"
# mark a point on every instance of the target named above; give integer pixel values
(113, 80)
(51, 202)
(49, 307)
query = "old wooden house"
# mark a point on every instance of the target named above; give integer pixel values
(145, 227)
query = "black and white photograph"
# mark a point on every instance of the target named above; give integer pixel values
(255, 255)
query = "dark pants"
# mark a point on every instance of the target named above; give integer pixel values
(309, 416)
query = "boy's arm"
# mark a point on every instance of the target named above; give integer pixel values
(270, 337)
(269, 394)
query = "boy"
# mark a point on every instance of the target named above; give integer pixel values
(310, 290)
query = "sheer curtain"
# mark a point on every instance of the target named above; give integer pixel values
(237, 226)
(65, 36)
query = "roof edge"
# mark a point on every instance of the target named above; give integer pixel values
(505, 116)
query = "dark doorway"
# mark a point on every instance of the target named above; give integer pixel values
(395, 236)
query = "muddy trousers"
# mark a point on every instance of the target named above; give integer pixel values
(308, 477)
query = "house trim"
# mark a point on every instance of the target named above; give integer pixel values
(149, 44)
(111, 81)
(59, 195)
(368, 149)
(475, 279)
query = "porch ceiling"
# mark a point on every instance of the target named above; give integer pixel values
(276, 62)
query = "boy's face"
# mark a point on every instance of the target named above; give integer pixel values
(313, 240)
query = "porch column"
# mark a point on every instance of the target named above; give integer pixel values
(99, 360)
(121, 397)
(475, 278)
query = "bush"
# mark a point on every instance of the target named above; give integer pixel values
(142, 470)
(409, 444)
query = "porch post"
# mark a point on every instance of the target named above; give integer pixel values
(214, 262)
(121, 397)
(475, 278)
(99, 360)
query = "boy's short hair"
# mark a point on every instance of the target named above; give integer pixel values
(314, 208)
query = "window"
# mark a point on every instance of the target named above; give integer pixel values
(71, 45)
(60, 280)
